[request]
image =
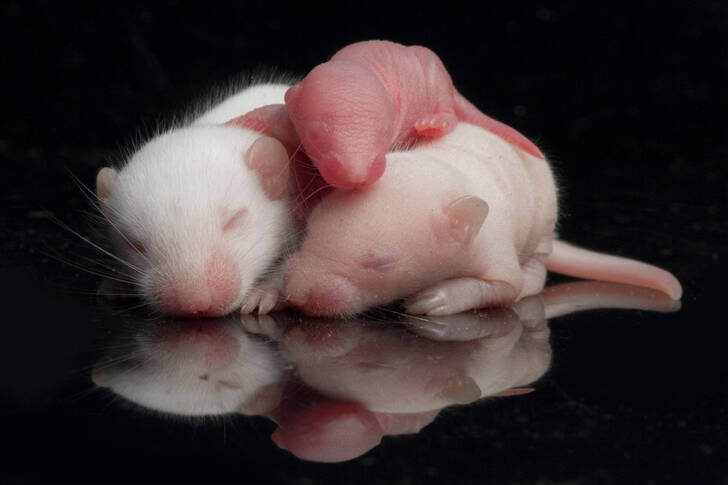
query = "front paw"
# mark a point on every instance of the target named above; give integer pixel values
(436, 125)
(262, 300)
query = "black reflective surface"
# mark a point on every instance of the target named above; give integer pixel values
(628, 104)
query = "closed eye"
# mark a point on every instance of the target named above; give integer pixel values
(234, 220)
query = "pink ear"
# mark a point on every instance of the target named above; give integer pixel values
(269, 160)
(105, 180)
(249, 122)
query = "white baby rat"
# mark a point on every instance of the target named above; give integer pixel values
(193, 367)
(200, 214)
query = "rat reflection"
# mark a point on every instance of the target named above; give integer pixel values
(336, 387)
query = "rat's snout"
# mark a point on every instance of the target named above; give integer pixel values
(347, 172)
(210, 291)
(189, 300)
(292, 93)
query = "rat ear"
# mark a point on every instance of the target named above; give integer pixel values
(105, 181)
(466, 216)
(97, 376)
(269, 160)
(461, 390)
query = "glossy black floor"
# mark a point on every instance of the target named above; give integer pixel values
(628, 104)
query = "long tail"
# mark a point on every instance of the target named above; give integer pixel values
(582, 263)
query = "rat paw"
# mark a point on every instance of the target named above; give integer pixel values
(262, 325)
(436, 125)
(264, 300)
(266, 296)
(458, 295)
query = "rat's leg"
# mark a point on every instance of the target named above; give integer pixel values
(460, 294)
(462, 222)
(271, 120)
(435, 125)
(266, 296)
(440, 90)
(534, 276)
(534, 269)
(440, 123)
(498, 285)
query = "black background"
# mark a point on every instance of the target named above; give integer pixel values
(629, 103)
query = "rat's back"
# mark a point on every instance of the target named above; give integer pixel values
(519, 188)
(243, 102)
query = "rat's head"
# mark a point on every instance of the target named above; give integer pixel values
(359, 251)
(345, 119)
(383, 242)
(200, 367)
(198, 214)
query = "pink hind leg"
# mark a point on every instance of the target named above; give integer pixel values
(534, 277)
(460, 294)
(440, 123)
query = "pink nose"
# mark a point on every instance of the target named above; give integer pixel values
(191, 294)
(350, 174)
(191, 300)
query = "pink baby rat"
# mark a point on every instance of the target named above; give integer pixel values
(373, 96)
(464, 221)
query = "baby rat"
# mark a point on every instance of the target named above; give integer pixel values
(200, 215)
(372, 97)
(465, 221)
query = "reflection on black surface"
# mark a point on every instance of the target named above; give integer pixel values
(200, 367)
(336, 387)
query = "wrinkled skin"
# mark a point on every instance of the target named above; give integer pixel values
(372, 97)
(417, 232)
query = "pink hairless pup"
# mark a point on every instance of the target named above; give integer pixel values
(462, 222)
(369, 98)
(374, 95)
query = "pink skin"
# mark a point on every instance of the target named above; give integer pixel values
(347, 267)
(272, 120)
(190, 294)
(464, 222)
(373, 96)
(419, 226)
(188, 254)
(316, 428)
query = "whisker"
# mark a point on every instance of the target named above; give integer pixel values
(104, 251)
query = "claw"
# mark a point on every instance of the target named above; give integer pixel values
(435, 125)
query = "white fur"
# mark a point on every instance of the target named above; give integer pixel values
(176, 191)
(244, 101)
(163, 375)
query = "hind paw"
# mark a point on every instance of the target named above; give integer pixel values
(458, 295)
(266, 297)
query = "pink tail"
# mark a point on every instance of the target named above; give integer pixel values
(467, 112)
(582, 263)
